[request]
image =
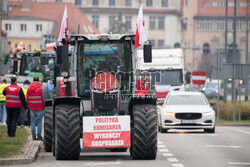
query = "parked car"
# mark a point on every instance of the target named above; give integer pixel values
(186, 110)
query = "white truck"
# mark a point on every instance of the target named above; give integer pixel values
(166, 70)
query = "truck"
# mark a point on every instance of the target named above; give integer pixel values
(95, 103)
(165, 71)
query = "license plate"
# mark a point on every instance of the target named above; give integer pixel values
(188, 121)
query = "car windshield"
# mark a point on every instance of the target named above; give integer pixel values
(186, 100)
(167, 77)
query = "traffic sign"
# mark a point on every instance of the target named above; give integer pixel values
(199, 77)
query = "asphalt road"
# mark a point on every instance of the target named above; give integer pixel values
(228, 147)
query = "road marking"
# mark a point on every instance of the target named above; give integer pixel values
(167, 154)
(238, 130)
(159, 142)
(177, 165)
(161, 146)
(163, 150)
(172, 159)
(238, 163)
(222, 146)
(102, 163)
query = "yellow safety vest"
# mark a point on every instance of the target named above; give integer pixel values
(25, 91)
(2, 87)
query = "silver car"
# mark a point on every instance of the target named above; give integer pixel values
(186, 110)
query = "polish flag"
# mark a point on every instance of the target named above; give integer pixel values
(20, 46)
(50, 46)
(140, 36)
(64, 25)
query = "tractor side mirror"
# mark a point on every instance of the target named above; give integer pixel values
(44, 60)
(147, 53)
(59, 54)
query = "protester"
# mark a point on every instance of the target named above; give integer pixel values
(36, 105)
(15, 100)
(3, 114)
(50, 86)
(26, 84)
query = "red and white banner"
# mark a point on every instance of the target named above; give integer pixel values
(64, 25)
(199, 77)
(106, 131)
(50, 46)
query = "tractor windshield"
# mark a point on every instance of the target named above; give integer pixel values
(31, 66)
(112, 57)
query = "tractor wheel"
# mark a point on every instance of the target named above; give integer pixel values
(144, 132)
(118, 149)
(48, 125)
(67, 132)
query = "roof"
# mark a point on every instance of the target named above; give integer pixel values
(54, 11)
(207, 11)
(185, 93)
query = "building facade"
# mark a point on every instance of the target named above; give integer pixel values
(38, 23)
(162, 18)
(4, 48)
(203, 26)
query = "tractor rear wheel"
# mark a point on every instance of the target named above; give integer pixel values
(67, 132)
(144, 132)
(48, 125)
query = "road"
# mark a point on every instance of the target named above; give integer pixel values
(228, 147)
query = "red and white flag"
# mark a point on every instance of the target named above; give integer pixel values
(50, 46)
(64, 25)
(20, 46)
(141, 35)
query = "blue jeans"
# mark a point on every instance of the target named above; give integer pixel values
(3, 115)
(36, 116)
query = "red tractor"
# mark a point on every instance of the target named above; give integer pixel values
(100, 103)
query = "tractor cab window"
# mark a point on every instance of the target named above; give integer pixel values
(31, 66)
(103, 57)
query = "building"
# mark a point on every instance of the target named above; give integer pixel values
(162, 18)
(38, 23)
(3, 36)
(203, 24)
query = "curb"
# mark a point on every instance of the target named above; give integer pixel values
(233, 124)
(29, 153)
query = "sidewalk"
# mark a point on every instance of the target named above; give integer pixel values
(27, 154)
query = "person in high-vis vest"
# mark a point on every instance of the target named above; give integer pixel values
(3, 114)
(15, 100)
(36, 105)
(25, 87)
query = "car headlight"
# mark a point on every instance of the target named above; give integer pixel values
(210, 113)
(165, 113)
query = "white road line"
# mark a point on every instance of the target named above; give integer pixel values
(177, 165)
(163, 150)
(159, 142)
(167, 154)
(161, 146)
(222, 146)
(238, 130)
(102, 163)
(239, 163)
(172, 159)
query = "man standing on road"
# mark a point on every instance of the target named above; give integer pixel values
(36, 105)
(3, 114)
(15, 100)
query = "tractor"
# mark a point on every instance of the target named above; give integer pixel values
(95, 99)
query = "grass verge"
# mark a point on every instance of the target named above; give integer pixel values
(10, 146)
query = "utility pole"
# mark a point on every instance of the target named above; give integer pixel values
(246, 80)
(234, 58)
(226, 56)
